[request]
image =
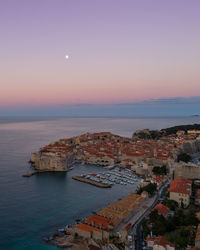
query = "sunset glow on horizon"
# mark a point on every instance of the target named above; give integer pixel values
(98, 52)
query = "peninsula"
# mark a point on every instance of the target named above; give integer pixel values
(140, 153)
(169, 161)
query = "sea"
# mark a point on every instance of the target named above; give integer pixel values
(34, 208)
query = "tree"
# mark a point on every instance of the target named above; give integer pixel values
(190, 219)
(150, 189)
(76, 236)
(160, 170)
(170, 226)
(184, 157)
(153, 215)
(171, 204)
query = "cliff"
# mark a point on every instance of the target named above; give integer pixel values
(48, 163)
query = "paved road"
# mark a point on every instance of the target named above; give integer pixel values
(136, 230)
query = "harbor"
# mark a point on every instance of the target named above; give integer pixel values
(112, 176)
(54, 199)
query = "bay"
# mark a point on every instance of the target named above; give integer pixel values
(33, 208)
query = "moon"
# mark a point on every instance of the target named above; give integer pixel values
(66, 57)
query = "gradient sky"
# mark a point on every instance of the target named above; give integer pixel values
(119, 51)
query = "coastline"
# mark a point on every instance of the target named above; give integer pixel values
(43, 171)
(45, 185)
(71, 236)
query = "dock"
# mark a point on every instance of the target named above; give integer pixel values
(92, 182)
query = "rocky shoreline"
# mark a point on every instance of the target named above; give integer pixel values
(39, 172)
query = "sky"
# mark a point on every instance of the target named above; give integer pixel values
(120, 51)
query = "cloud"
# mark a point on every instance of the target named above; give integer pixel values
(178, 106)
(168, 101)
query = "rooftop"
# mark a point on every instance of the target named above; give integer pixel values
(181, 185)
(87, 228)
(162, 209)
(160, 241)
(99, 221)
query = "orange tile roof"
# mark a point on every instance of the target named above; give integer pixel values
(97, 220)
(87, 228)
(162, 209)
(160, 241)
(157, 179)
(180, 185)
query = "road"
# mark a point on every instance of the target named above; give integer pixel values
(136, 229)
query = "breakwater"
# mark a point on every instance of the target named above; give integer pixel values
(92, 182)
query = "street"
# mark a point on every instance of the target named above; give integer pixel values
(136, 229)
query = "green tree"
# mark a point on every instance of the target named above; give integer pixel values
(153, 216)
(171, 204)
(76, 236)
(190, 219)
(184, 157)
(150, 189)
(160, 170)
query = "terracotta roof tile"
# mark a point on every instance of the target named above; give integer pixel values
(162, 209)
(87, 228)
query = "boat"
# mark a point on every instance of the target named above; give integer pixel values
(93, 174)
(110, 167)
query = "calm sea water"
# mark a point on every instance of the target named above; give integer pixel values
(32, 208)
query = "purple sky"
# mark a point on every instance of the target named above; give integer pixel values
(119, 51)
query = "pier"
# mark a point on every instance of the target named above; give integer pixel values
(92, 182)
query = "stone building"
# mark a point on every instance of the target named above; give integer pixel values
(159, 243)
(197, 239)
(180, 191)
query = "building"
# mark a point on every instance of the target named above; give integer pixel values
(144, 194)
(159, 243)
(197, 200)
(124, 232)
(121, 209)
(187, 170)
(162, 209)
(88, 232)
(180, 191)
(197, 238)
(96, 227)
(198, 215)
(193, 131)
(180, 132)
(158, 180)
